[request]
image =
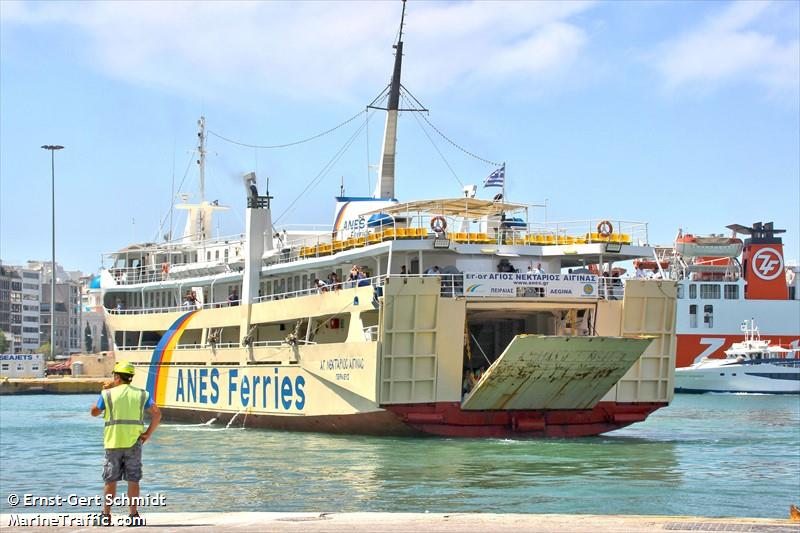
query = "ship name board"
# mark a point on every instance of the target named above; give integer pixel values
(257, 388)
(512, 284)
(340, 367)
(18, 357)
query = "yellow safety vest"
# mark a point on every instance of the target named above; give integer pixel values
(124, 416)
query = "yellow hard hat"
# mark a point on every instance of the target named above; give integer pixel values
(124, 367)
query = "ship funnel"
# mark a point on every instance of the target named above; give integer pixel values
(762, 259)
(258, 237)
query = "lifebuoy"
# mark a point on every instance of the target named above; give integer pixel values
(605, 228)
(438, 224)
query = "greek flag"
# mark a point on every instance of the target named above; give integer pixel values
(496, 178)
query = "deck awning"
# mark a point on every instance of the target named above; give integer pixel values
(453, 207)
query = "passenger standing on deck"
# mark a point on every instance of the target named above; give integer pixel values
(233, 298)
(333, 281)
(353, 276)
(320, 285)
(123, 407)
(616, 286)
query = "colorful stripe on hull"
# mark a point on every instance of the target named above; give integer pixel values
(162, 354)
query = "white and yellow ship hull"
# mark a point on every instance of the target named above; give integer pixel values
(408, 380)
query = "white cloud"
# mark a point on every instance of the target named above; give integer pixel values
(309, 49)
(730, 47)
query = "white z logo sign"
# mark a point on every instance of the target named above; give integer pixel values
(767, 264)
(714, 344)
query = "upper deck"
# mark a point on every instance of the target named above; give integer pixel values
(469, 230)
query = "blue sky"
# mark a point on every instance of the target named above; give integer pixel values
(676, 113)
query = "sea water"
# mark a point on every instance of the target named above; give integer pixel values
(709, 455)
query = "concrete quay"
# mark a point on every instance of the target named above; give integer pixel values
(60, 385)
(399, 523)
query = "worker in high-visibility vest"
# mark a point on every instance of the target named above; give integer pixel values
(123, 408)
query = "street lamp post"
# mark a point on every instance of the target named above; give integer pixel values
(53, 148)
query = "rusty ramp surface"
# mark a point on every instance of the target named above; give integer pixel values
(554, 372)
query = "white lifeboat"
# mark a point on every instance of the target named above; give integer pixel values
(714, 246)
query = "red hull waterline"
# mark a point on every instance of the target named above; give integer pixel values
(445, 419)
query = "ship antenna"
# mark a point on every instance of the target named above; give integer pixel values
(201, 150)
(402, 19)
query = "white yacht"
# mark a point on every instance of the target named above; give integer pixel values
(753, 366)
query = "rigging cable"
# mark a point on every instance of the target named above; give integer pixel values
(295, 143)
(326, 168)
(453, 172)
(163, 220)
(446, 138)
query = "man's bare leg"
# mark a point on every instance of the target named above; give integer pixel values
(109, 488)
(133, 492)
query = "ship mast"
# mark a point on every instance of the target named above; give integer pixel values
(385, 186)
(198, 220)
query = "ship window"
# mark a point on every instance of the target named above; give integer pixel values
(216, 255)
(731, 292)
(289, 286)
(226, 255)
(150, 339)
(190, 338)
(709, 291)
(680, 292)
(5, 366)
(692, 315)
(692, 291)
(208, 255)
(708, 316)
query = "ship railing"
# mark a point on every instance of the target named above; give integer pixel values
(223, 345)
(610, 288)
(134, 347)
(452, 285)
(513, 232)
(160, 273)
(280, 343)
(219, 345)
(169, 309)
(374, 281)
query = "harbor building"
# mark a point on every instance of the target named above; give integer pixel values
(25, 307)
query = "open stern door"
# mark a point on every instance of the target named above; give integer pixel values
(554, 372)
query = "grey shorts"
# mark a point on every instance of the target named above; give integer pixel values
(123, 463)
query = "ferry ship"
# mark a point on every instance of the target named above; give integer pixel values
(723, 281)
(441, 327)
